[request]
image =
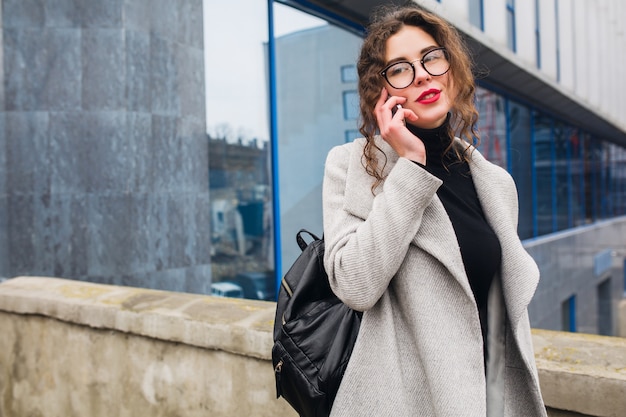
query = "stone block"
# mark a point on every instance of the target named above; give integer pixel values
(64, 13)
(137, 15)
(2, 97)
(179, 247)
(169, 280)
(103, 69)
(137, 279)
(42, 69)
(62, 231)
(164, 19)
(25, 68)
(95, 140)
(118, 239)
(159, 231)
(64, 70)
(179, 231)
(89, 152)
(20, 234)
(69, 153)
(47, 235)
(102, 14)
(3, 155)
(196, 155)
(139, 136)
(163, 87)
(166, 153)
(138, 71)
(109, 161)
(202, 228)
(190, 75)
(198, 279)
(23, 13)
(190, 23)
(27, 153)
(5, 271)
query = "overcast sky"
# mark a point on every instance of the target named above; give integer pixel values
(236, 85)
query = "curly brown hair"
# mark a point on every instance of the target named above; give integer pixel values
(386, 22)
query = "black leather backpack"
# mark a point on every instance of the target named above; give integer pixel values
(314, 333)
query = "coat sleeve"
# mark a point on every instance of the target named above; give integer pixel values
(364, 253)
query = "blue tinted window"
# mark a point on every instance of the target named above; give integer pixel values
(476, 13)
(568, 314)
(240, 180)
(316, 103)
(349, 74)
(352, 134)
(350, 105)
(544, 171)
(510, 25)
(577, 165)
(521, 158)
(492, 126)
(563, 193)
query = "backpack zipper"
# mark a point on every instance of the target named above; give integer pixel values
(277, 370)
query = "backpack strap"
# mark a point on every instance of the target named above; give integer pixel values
(300, 240)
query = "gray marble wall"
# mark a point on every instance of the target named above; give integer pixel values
(103, 152)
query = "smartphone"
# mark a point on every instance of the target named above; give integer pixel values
(395, 109)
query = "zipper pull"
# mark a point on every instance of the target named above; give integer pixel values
(277, 370)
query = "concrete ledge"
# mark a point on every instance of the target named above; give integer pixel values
(581, 372)
(211, 339)
(231, 325)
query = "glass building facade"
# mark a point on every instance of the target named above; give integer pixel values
(281, 96)
(182, 147)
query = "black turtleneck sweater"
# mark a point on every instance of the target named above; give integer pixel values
(479, 245)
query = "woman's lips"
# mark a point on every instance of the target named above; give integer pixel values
(429, 96)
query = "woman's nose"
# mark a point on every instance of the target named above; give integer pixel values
(421, 75)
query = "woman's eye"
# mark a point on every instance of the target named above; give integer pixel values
(399, 69)
(433, 56)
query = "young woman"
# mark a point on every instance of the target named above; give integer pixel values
(421, 236)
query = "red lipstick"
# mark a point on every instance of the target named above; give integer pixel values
(429, 96)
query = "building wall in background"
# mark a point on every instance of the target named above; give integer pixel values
(109, 171)
(104, 167)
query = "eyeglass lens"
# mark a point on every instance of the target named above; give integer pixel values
(402, 74)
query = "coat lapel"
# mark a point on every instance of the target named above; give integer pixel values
(436, 236)
(498, 198)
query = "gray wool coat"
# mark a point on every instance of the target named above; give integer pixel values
(395, 256)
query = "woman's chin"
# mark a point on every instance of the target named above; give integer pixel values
(429, 122)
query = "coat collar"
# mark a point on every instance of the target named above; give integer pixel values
(495, 189)
(498, 197)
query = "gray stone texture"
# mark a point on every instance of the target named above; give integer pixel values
(103, 152)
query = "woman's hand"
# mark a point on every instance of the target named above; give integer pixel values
(393, 129)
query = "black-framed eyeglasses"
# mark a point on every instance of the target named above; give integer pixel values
(402, 74)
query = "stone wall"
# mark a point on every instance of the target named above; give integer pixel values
(79, 349)
(103, 148)
(76, 348)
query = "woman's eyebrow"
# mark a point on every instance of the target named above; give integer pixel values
(422, 52)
